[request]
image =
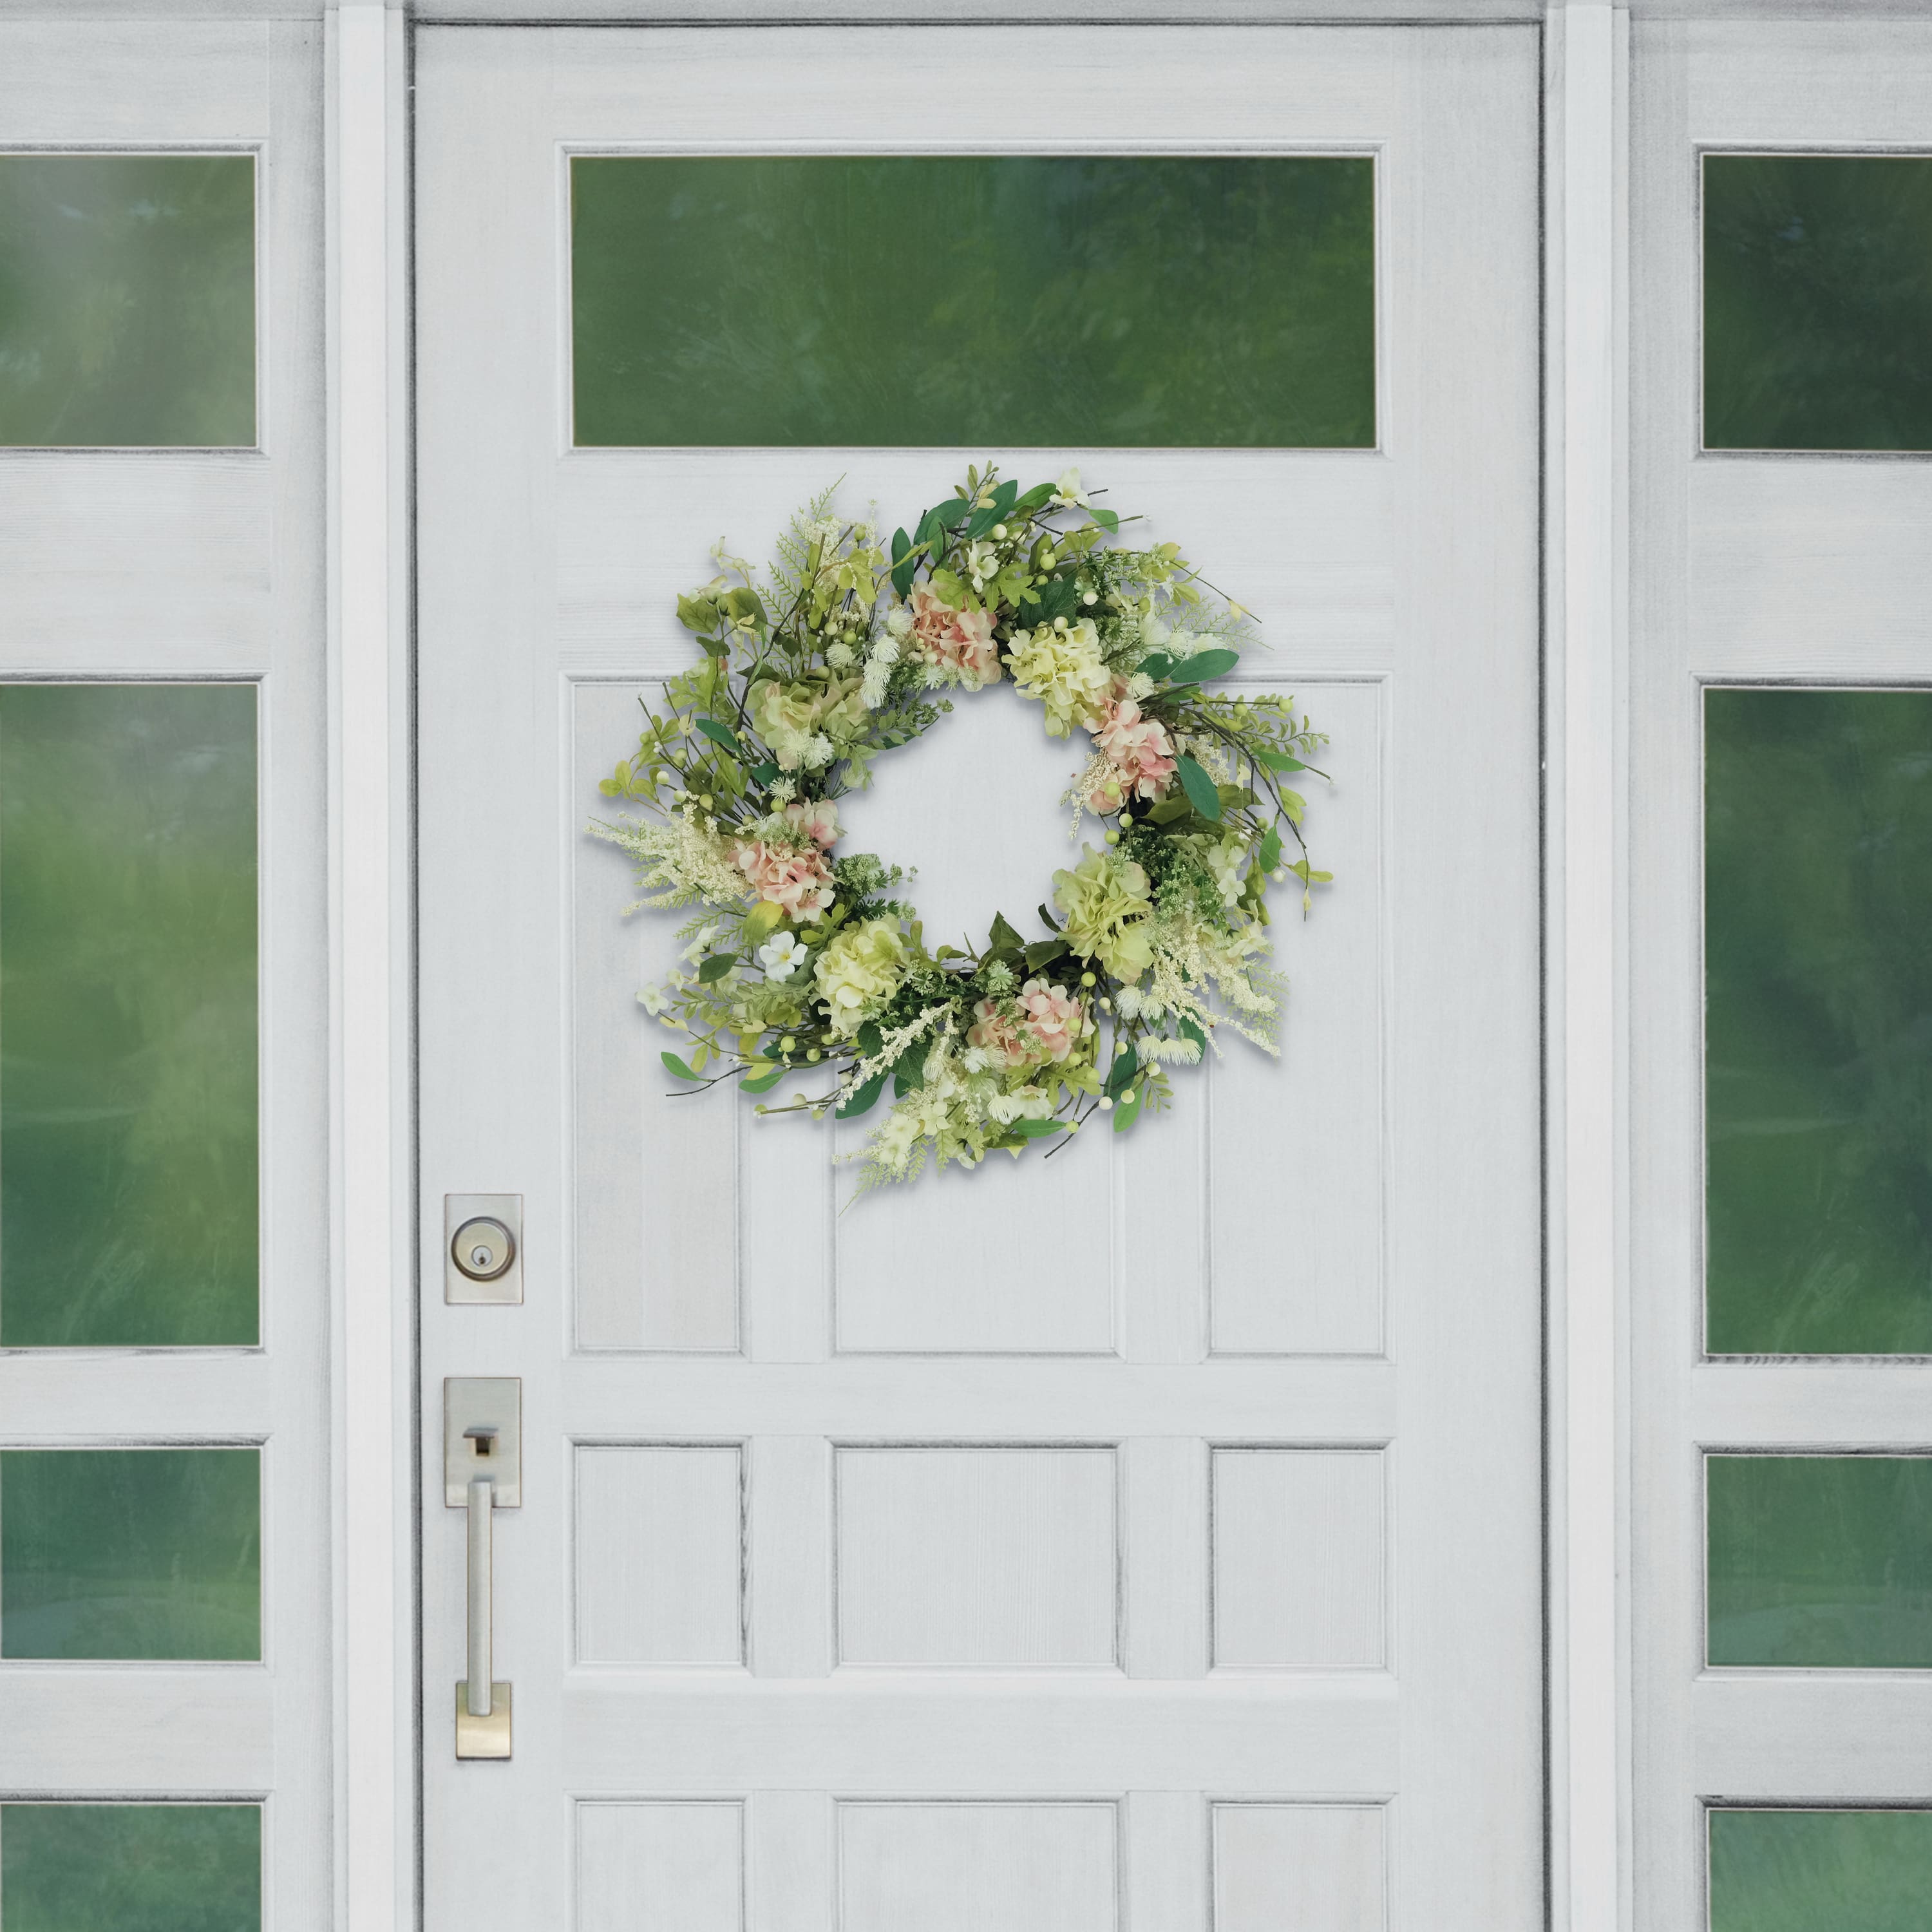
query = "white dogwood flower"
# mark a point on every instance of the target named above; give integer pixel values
(781, 957)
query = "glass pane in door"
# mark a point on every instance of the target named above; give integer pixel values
(136, 1867)
(128, 300)
(974, 301)
(1818, 302)
(1775, 1870)
(1818, 1030)
(130, 1553)
(128, 1111)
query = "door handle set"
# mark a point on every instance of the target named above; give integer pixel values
(482, 1472)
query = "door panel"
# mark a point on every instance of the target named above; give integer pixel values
(1782, 1742)
(1151, 1534)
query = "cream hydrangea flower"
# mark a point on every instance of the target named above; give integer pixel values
(1226, 857)
(1105, 904)
(1064, 669)
(860, 970)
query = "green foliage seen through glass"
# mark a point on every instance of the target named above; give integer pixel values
(1820, 1562)
(121, 1553)
(134, 1868)
(1817, 301)
(1818, 1871)
(980, 302)
(1818, 960)
(127, 1015)
(126, 300)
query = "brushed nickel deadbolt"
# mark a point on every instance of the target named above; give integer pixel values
(483, 1248)
(482, 1254)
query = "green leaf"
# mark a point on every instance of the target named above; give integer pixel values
(1269, 857)
(909, 1071)
(1047, 919)
(1126, 1064)
(1040, 494)
(1036, 1130)
(870, 1038)
(764, 918)
(1203, 665)
(1199, 788)
(1043, 952)
(766, 775)
(762, 1084)
(715, 968)
(697, 613)
(1156, 664)
(1108, 520)
(1059, 596)
(1174, 805)
(677, 1066)
(863, 1100)
(951, 514)
(721, 734)
(1005, 494)
(1004, 938)
(903, 562)
(1191, 1030)
(743, 602)
(1301, 870)
(1279, 761)
(1126, 1112)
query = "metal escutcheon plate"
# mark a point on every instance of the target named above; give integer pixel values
(483, 1737)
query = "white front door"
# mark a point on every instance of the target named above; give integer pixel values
(1150, 1539)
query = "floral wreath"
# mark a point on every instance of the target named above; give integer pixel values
(806, 963)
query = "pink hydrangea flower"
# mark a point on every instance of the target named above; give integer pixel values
(1139, 749)
(796, 878)
(1052, 1016)
(959, 641)
(817, 818)
(996, 1032)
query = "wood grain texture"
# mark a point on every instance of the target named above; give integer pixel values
(660, 1559)
(1300, 1562)
(1322, 1865)
(956, 1868)
(988, 1556)
(660, 1867)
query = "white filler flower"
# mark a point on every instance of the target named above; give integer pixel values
(781, 957)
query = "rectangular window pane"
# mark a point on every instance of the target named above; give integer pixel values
(1818, 961)
(134, 1868)
(1818, 1871)
(1819, 1562)
(127, 1015)
(984, 302)
(121, 1553)
(126, 300)
(1817, 301)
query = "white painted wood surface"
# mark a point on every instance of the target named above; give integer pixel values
(900, 1755)
(370, 1154)
(1585, 484)
(177, 564)
(1809, 568)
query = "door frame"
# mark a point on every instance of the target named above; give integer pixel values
(374, 1193)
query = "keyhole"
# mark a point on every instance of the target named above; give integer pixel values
(480, 1257)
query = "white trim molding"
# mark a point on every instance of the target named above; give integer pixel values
(1587, 538)
(368, 773)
